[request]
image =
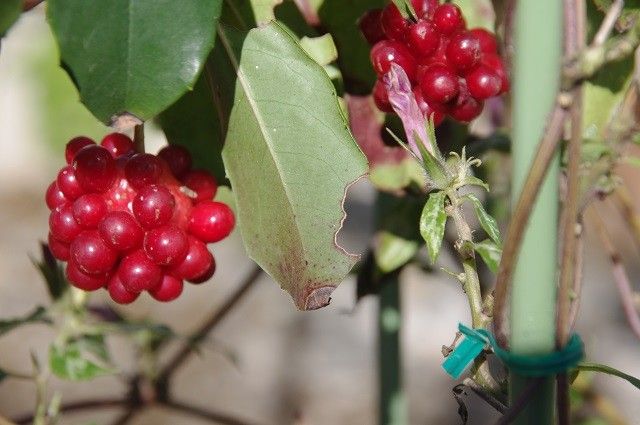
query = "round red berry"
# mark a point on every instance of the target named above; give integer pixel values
(169, 289)
(381, 98)
(423, 38)
(60, 250)
(153, 206)
(178, 159)
(211, 221)
(463, 51)
(439, 83)
(95, 168)
(427, 110)
(386, 52)
(488, 42)
(54, 196)
(495, 62)
(371, 26)
(89, 210)
(121, 231)
(202, 183)
(197, 262)
(143, 169)
(205, 276)
(448, 18)
(393, 24)
(483, 82)
(68, 183)
(63, 225)
(91, 254)
(82, 280)
(117, 144)
(424, 8)
(166, 245)
(75, 145)
(465, 108)
(118, 292)
(138, 273)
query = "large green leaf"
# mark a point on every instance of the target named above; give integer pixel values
(9, 13)
(133, 56)
(290, 158)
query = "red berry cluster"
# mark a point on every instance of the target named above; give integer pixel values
(132, 222)
(452, 69)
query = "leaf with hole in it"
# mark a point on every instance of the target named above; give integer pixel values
(9, 13)
(70, 362)
(290, 159)
(38, 315)
(596, 367)
(487, 222)
(133, 56)
(432, 223)
(490, 253)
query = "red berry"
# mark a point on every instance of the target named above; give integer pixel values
(427, 110)
(153, 206)
(91, 254)
(118, 292)
(488, 42)
(169, 289)
(143, 169)
(82, 280)
(211, 221)
(75, 145)
(495, 62)
(178, 159)
(424, 8)
(60, 250)
(423, 38)
(448, 18)
(68, 183)
(206, 275)
(121, 231)
(89, 210)
(95, 168)
(463, 51)
(386, 52)
(381, 98)
(393, 24)
(62, 225)
(202, 183)
(483, 82)
(439, 83)
(166, 245)
(117, 144)
(138, 273)
(465, 108)
(54, 196)
(197, 262)
(371, 26)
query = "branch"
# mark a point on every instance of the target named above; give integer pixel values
(608, 23)
(576, 290)
(219, 418)
(518, 405)
(79, 406)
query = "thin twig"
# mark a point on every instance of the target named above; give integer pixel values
(78, 406)
(608, 23)
(138, 137)
(125, 417)
(522, 401)
(219, 418)
(576, 290)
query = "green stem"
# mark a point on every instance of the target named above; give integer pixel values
(393, 403)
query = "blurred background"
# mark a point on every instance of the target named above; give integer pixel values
(267, 362)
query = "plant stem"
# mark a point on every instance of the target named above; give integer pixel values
(138, 137)
(393, 402)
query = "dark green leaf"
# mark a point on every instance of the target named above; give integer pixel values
(490, 253)
(3, 375)
(432, 223)
(487, 222)
(133, 56)
(39, 315)
(609, 371)
(290, 159)
(9, 13)
(52, 273)
(70, 362)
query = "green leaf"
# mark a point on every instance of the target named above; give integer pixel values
(133, 56)
(3, 375)
(71, 363)
(9, 13)
(490, 253)
(52, 273)
(39, 315)
(321, 49)
(263, 10)
(487, 222)
(432, 223)
(596, 367)
(477, 13)
(392, 251)
(95, 345)
(290, 159)
(405, 7)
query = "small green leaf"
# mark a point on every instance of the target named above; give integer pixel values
(70, 362)
(490, 253)
(322, 49)
(52, 273)
(3, 375)
(474, 181)
(596, 367)
(39, 315)
(487, 222)
(9, 13)
(392, 251)
(95, 345)
(432, 223)
(405, 7)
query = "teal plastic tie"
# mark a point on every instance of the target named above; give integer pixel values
(475, 340)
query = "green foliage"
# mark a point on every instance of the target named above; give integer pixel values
(609, 371)
(322, 49)
(79, 360)
(490, 253)
(432, 223)
(290, 158)
(9, 13)
(117, 51)
(487, 222)
(52, 273)
(38, 315)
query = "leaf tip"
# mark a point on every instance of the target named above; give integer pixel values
(314, 298)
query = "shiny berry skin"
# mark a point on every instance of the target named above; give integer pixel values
(423, 38)
(74, 146)
(117, 144)
(138, 273)
(465, 108)
(381, 98)
(463, 51)
(211, 221)
(89, 210)
(63, 225)
(119, 293)
(439, 83)
(54, 197)
(68, 183)
(95, 168)
(205, 276)
(142, 169)
(495, 62)
(202, 183)
(91, 254)
(488, 42)
(82, 280)
(371, 26)
(169, 289)
(60, 250)
(166, 245)
(424, 8)
(386, 52)
(483, 82)
(448, 18)
(153, 206)
(178, 159)
(197, 262)
(121, 231)
(393, 24)
(427, 110)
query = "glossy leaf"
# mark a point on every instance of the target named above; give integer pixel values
(290, 159)
(9, 13)
(133, 56)
(432, 223)
(71, 363)
(38, 315)
(487, 222)
(595, 367)
(490, 253)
